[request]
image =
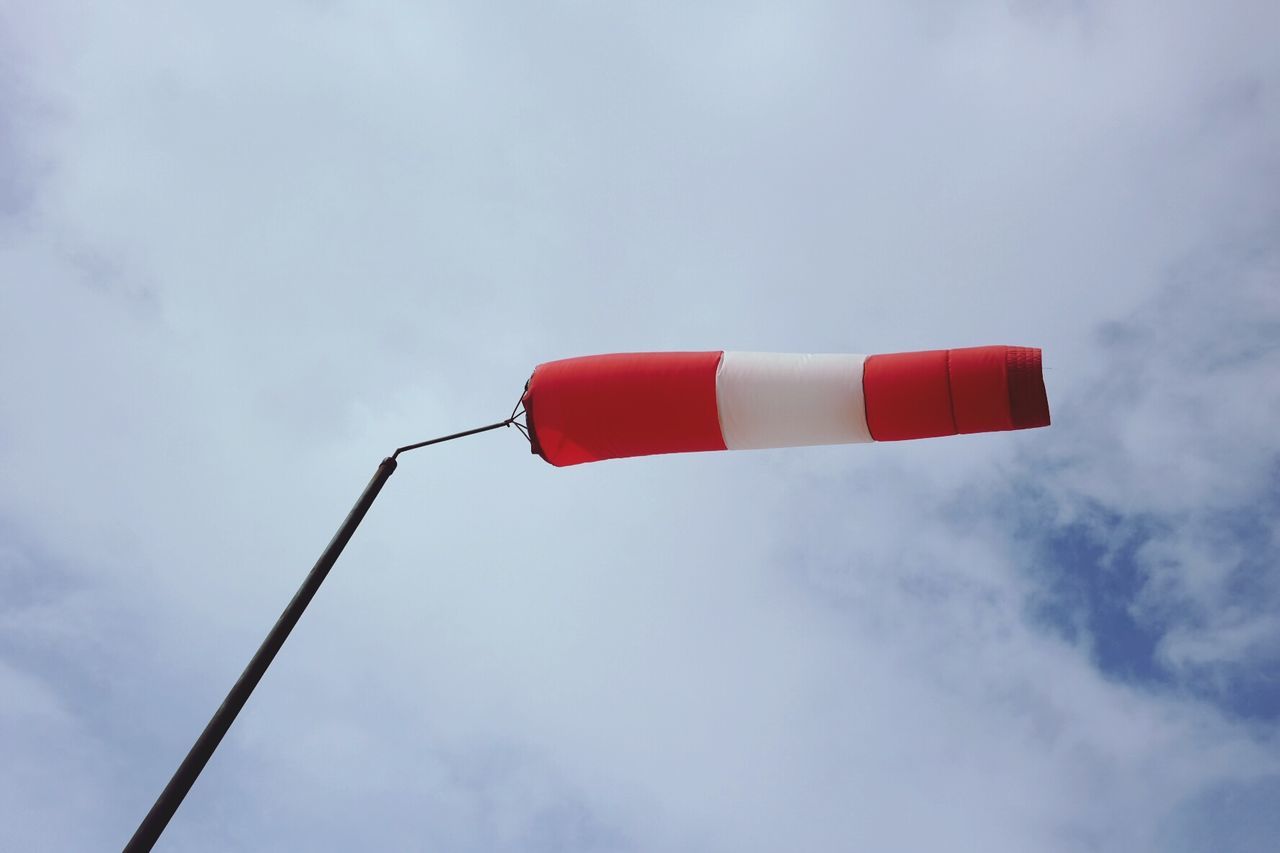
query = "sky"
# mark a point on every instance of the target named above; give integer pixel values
(248, 249)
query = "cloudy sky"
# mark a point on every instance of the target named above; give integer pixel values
(247, 249)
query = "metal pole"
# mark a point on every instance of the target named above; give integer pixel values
(171, 797)
(184, 777)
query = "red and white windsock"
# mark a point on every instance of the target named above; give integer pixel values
(637, 404)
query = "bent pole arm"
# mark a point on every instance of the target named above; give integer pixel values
(188, 771)
(508, 422)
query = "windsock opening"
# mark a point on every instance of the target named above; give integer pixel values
(624, 404)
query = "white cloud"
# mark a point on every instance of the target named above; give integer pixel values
(1177, 443)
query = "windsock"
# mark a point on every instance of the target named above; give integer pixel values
(639, 404)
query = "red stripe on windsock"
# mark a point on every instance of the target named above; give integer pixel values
(627, 404)
(945, 392)
(1028, 402)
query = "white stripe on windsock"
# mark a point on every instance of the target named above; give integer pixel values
(770, 399)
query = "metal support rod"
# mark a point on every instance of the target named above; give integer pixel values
(508, 422)
(188, 771)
